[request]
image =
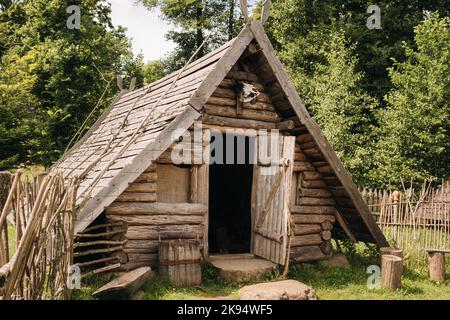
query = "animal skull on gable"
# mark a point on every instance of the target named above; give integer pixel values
(247, 92)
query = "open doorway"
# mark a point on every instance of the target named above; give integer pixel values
(230, 194)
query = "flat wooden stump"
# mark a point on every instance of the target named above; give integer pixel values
(124, 286)
(242, 269)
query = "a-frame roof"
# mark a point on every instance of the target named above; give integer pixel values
(178, 110)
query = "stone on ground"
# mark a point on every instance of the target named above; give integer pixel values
(279, 290)
(337, 260)
(243, 269)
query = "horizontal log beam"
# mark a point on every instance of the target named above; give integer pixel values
(326, 210)
(136, 197)
(312, 219)
(306, 240)
(157, 220)
(157, 208)
(304, 229)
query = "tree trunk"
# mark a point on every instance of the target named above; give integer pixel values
(231, 21)
(199, 36)
(391, 272)
(437, 266)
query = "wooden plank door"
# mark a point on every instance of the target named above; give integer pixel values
(271, 197)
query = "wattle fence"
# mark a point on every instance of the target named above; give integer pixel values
(413, 219)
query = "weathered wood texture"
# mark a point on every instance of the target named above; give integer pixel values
(179, 261)
(124, 286)
(312, 209)
(436, 266)
(148, 221)
(391, 272)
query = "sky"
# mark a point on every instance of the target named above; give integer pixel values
(145, 27)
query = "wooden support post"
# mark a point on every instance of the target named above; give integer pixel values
(391, 272)
(395, 201)
(437, 266)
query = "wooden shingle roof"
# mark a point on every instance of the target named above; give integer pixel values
(177, 111)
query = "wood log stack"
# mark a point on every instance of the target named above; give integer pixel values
(312, 210)
(148, 221)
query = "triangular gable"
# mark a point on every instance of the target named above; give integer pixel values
(104, 194)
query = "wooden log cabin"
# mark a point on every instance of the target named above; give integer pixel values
(129, 176)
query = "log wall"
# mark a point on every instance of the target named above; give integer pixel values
(313, 208)
(148, 221)
(151, 216)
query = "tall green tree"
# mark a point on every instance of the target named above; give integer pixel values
(192, 21)
(298, 26)
(339, 105)
(63, 72)
(415, 128)
(153, 70)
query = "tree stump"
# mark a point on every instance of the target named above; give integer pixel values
(437, 266)
(391, 272)
(392, 251)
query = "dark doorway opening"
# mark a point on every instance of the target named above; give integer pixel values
(230, 194)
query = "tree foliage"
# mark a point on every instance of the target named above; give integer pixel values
(298, 27)
(52, 76)
(339, 105)
(193, 20)
(415, 128)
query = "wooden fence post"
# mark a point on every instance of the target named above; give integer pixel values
(395, 201)
(5, 185)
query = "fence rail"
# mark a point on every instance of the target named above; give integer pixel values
(413, 219)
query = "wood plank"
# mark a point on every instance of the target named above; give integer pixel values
(327, 210)
(136, 197)
(309, 201)
(306, 240)
(142, 187)
(125, 285)
(157, 208)
(157, 220)
(164, 232)
(312, 218)
(303, 229)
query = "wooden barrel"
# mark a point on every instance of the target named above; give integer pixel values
(179, 261)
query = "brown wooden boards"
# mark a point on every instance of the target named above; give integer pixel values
(270, 200)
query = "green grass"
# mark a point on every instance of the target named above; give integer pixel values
(329, 283)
